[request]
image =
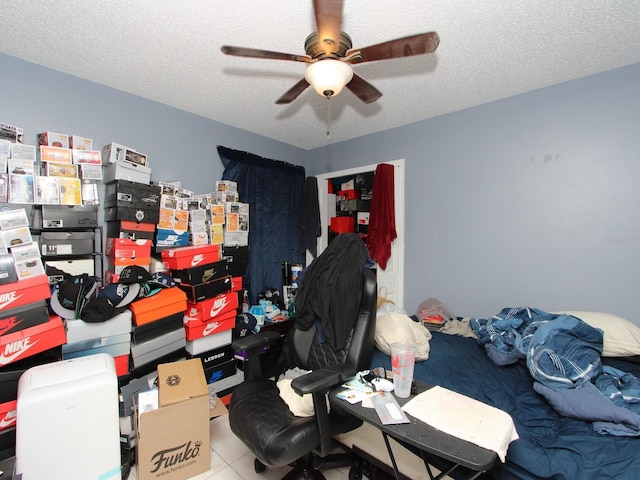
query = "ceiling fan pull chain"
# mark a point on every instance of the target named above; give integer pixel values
(328, 117)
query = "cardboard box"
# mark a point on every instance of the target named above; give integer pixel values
(18, 318)
(202, 273)
(178, 430)
(72, 216)
(211, 308)
(131, 214)
(24, 292)
(195, 328)
(123, 170)
(24, 343)
(67, 243)
(54, 139)
(190, 257)
(166, 302)
(123, 193)
(197, 293)
(80, 143)
(125, 247)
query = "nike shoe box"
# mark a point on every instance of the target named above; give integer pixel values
(219, 372)
(237, 259)
(131, 230)
(24, 343)
(24, 292)
(57, 269)
(215, 357)
(69, 216)
(167, 238)
(191, 256)
(202, 291)
(66, 243)
(166, 302)
(195, 328)
(80, 331)
(131, 214)
(114, 345)
(123, 193)
(210, 342)
(156, 348)
(126, 247)
(26, 316)
(211, 308)
(157, 328)
(202, 273)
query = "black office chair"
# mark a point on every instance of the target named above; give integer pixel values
(263, 421)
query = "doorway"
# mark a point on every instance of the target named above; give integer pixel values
(390, 280)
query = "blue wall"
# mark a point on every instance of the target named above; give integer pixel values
(531, 200)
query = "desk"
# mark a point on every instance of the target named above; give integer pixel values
(436, 448)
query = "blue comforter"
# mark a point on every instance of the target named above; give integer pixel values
(551, 445)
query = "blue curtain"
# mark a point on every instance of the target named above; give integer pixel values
(274, 191)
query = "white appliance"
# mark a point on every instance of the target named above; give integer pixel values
(67, 424)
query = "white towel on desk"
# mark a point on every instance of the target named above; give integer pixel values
(464, 418)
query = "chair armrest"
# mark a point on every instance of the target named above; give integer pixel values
(259, 340)
(317, 381)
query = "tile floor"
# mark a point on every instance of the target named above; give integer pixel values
(231, 460)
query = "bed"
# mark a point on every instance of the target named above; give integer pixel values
(550, 445)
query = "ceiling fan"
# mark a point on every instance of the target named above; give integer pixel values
(330, 55)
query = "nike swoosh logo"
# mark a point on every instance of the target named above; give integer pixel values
(215, 376)
(210, 328)
(196, 261)
(9, 327)
(9, 302)
(4, 423)
(6, 359)
(215, 311)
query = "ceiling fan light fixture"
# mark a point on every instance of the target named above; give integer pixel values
(328, 77)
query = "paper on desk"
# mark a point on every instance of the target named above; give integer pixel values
(464, 418)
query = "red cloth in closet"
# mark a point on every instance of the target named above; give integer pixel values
(382, 218)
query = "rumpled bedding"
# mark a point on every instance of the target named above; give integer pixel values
(562, 354)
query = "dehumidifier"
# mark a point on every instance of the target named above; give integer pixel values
(67, 424)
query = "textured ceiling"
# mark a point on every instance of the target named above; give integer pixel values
(169, 51)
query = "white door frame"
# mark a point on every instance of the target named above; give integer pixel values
(392, 279)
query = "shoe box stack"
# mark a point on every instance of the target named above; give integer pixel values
(212, 306)
(131, 212)
(29, 334)
(158, 329)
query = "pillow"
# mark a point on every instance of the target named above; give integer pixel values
(621, 337)
(300, 406)
(397, 327)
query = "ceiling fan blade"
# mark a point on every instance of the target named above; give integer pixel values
(257, 53)
(328, 23)
(400, 47)
(363, 89)
(293, 92)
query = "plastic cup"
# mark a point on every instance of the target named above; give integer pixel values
(403, 358)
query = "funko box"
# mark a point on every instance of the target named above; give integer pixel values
(54, 139)
(80, 143)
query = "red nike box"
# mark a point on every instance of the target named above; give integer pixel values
(196, 329)
(191, 256)
(211, 308)
(26, 316)
(8, 414)
(26, 291)
(24, 343)
(236, 284)
(125, 247)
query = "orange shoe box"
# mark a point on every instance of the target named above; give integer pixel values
(191, 256)
(166, 302)
(195, 328)
(209, 309)
(24, 343)
(24, 292)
